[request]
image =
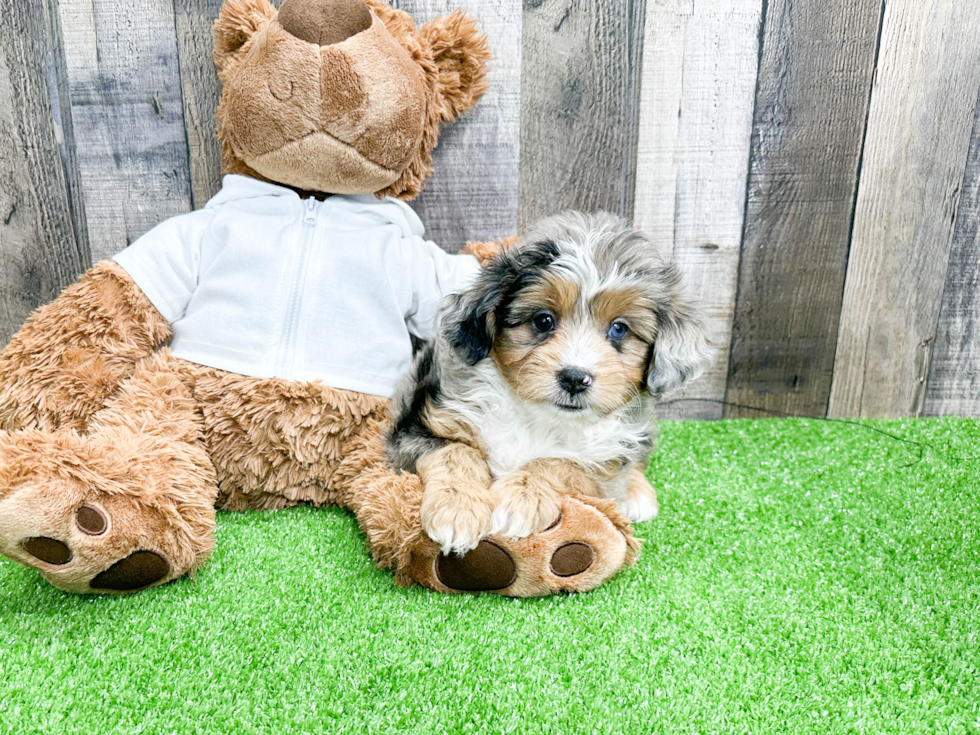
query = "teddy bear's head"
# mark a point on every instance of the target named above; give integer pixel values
(341, 96)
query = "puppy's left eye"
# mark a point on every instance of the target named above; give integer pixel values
(617, 331)
(543, 322)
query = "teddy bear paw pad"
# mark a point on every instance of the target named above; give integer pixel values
(139, 569)
(485, 568)
(91, 520)
(572, 559)
(47, 550)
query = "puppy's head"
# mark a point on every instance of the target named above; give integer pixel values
(583, 315)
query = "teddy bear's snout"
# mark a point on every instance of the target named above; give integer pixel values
(324, 22)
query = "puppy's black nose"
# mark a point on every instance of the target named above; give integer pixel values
(574, 381)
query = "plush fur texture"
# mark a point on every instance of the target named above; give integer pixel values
(141, 465)
(114, 454)
(543, 381)
(63, 365)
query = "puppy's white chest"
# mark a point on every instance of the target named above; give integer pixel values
(513, 440)
(511, 445)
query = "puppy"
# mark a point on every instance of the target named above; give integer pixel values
(542, 380)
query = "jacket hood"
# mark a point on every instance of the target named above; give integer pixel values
(351, 212)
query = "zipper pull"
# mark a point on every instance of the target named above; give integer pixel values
(312, 205)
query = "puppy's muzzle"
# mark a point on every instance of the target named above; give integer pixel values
(574, 381)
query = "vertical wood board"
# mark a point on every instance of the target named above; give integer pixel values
(127, 112)
(580, 87)
(200, 91)
(472, 194)
(816, 66)
(915, 156)
(40, 251)
(953, 387)
(697, 97)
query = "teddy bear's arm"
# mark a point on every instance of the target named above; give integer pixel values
(485, 251)
(436, 274)
(61, 366)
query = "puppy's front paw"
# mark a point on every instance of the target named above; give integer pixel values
(641, 500)
(523, 509)
(455, 522)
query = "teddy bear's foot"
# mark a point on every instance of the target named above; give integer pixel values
(70, 568)
(81, 542)
(82, 512)
(588, 544)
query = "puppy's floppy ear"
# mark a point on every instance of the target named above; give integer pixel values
(238, 21)
(681, 351)
(470, 324)
(470, 320)
(461, 55)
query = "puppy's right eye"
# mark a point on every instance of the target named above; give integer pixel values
(543, 322)
(617, 331)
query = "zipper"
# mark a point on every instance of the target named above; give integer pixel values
(287, 344)
(312, 206)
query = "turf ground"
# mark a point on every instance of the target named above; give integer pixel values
(804, 577)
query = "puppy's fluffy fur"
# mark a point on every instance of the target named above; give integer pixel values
(542, 380)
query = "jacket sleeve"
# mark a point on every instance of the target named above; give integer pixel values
(435, 274)
(165, 262)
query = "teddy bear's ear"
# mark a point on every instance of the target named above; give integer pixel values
(237, 22)
(461, 55)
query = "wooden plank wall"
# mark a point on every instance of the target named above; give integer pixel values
(954, 380)
(925, 95)
(472, 194)
(125, 99)
(814, 167)
(815, 71)
(699, 80)
(42, 226)
(580, 90)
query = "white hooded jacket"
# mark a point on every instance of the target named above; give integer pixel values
(264, 283)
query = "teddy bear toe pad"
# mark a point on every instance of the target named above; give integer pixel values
(487, 567)
(139, 569)
(85, 540)
(571, 559)
(77, 551)
(90, 520)
(48, 550)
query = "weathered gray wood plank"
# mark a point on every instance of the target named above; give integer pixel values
(953, 388)
(40, 250)
(200, 90)
(699, 75)
(126, 106)
(580, 87)
(816, 67)
(914, 160)
(472, 194)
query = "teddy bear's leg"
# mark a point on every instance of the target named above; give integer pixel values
(589, 543)
(126, 506)
(73, 353)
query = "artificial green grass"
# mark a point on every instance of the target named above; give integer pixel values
(803, 577)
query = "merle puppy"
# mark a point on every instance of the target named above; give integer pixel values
(543, 379)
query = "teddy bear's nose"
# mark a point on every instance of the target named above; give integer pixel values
(324, 22)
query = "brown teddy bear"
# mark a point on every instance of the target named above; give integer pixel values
(242, 356)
